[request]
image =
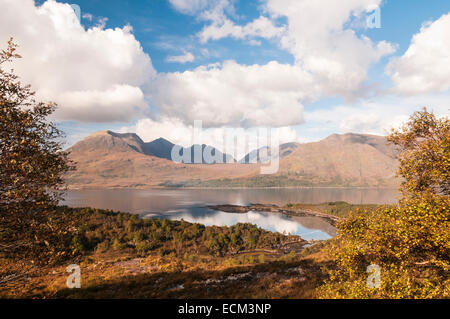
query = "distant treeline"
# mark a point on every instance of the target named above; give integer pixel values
(267, 181)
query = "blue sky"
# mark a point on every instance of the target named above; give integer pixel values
(163, 31)
(156, 23)
(340, 89)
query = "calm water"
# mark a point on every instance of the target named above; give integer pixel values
(189, 204)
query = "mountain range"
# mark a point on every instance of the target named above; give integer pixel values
(107, 159)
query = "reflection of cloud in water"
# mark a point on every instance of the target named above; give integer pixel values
(273, 221)
(269, 221)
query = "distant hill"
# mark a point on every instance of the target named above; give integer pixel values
(110, 142)
(262, 155)
(160, 148)
(348, 159)
(108, 159)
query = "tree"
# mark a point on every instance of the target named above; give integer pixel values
(31, 158)
(410, 242)
(424, 143)
(32, 165)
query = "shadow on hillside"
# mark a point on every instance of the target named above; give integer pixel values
(270, 280)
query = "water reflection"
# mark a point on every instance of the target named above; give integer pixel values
(189, 204)
(163, 200)
(269, 221)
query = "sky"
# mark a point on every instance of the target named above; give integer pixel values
(304, 68)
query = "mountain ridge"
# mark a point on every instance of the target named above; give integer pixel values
(109, 159)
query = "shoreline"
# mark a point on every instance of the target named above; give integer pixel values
(271, 208)
(219, 188)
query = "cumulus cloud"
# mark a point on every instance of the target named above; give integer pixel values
(319, 36)
(187, 57)
(320, 41)
(330, 59)
(117, 103)
(99, 74)
(234, 94)
(217, 12)
(94, 74)
(425, 67)
(260, 27)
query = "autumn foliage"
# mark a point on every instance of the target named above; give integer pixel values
(425, 157)
(410, 242)
(32, 166)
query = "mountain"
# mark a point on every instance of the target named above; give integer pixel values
(262, 154)
(160, 147)
(347, 160)
(109, 142)
(108, 159)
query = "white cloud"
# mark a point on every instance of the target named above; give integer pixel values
(99, 74)
(209, 10)
(94, 74)
(171, 129)
(221, 26)
(425, 67)
(319, 36)
(205, 52)
(330, 60)
(101, 24)
(189, 6)
(254, 42)
(376, 116)
(260, 27)
(119, 102)
(321, 42)
(187, 57)
(233, 94)
(88, 16)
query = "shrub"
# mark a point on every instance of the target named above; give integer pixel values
(144, 247)
(410, 242)
(103, 246)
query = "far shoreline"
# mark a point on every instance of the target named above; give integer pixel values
(219, 188)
